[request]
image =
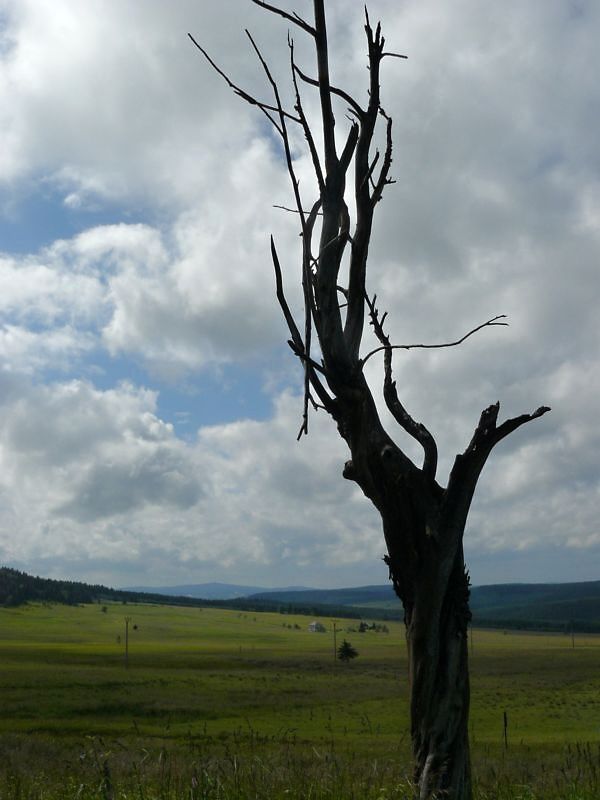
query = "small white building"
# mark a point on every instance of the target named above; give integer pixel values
(317, 627)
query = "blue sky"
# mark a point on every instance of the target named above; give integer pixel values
(149, 400)
(33, 221)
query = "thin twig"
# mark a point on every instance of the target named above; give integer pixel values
(250, 99)
(334, 90)
(304, 122)
(291, 17)
(490, 323)
(390, 394)
(305, 231)
(383, 179)
(292, 210)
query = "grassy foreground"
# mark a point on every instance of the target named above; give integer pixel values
(225, 704)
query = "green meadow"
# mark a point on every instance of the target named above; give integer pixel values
(225, 704)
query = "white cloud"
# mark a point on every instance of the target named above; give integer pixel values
(96, 475)
(74, 453)
(22, 350)
(90, 473)
(496, 210)
(215, 299)
(113, 101)
(42, 291)
(201, 293)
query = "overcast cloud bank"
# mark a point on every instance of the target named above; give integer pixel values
(107, 110)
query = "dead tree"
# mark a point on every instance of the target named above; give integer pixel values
(423, 521)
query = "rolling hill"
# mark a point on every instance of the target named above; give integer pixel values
(210, 591)
(553, 606)
(528, 605)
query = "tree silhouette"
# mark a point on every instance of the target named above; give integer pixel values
(423, 520)
(346, 652)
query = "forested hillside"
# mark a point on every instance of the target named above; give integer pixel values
(552, 607)
(18, 587)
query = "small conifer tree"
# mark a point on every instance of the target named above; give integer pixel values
(346, 652)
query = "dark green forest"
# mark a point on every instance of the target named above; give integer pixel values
(561, 607)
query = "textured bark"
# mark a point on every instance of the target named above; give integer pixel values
(423, 522)
(439, 692)
(423, 526)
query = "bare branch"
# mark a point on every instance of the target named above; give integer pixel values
(416, 429)
(264, 107)
(468, 465)
(325, 87)
(284, 134)
(291, 210)
(287, 314)
(349, 147)
(305, 360)
(367, 177)
(297, 344)
(507, 427)
(393, 55)
(309, 298)
(305, 126)
(490, 323)
(334, 90)
(387, 162)
(294, 18)
(302, 348)
(364, 205)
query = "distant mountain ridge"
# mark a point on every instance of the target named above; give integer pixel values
(212, 591)
(351, 596)
(575, 604)
(552, 607)
(543, 605)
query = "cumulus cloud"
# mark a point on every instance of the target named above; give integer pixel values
(209, 302)
(96, 475)
(71, 452)
(177, 301)
(89, 473)
(496, 209)
(23, 350)
(113, 101)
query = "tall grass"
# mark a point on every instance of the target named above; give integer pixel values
(222, 706)
(248, 768)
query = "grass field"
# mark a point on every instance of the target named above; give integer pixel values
(227, 704)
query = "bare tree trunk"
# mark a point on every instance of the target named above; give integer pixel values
(427, 569)
(439, 692)
(423, 525)
(423, 528)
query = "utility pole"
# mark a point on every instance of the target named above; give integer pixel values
(334, 642)
(127, 621)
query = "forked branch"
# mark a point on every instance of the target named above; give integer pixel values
(297, 344)
(468, 465)
(488, 433)
(294, 18)
(390, 394)
(250, 99)
(334, 90)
